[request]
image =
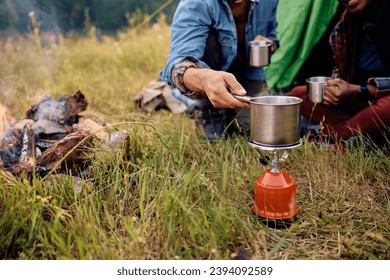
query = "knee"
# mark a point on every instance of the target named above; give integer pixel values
(298, 91)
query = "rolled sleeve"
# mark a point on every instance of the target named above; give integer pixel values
(382, 85)
(178, 72)
(189, 32)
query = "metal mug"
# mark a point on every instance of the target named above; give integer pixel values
(260, 53)
(275, 120)
(316, 88)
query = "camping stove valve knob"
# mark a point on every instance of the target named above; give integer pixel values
(276, 160)
(266, 160)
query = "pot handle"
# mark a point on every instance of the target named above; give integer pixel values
(245, 98)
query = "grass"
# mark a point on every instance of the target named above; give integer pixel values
(172, 195)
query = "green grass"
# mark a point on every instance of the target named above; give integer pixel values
(172, 195)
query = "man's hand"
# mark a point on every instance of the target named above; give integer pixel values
(218, 86)
(262, 38)
(337, 90)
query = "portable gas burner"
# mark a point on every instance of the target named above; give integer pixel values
(275, 191)
(275, 126)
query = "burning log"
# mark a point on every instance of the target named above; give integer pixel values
(53, 118)
(28, 146)
(53, 137)
(67, 153)
(63, 111)
(17, 147)
(41, 141)
(74, 105)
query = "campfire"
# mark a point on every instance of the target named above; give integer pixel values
(52, 137)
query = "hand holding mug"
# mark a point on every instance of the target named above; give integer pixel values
(316, 87)
(337, 90)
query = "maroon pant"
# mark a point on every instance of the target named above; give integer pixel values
(351, 117)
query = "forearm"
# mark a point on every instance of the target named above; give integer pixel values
(366, 91)
(217, 86)
(375, 88)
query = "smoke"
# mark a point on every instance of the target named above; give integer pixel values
(17, 16)
(35, 17)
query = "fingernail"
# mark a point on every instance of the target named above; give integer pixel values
(242, 91)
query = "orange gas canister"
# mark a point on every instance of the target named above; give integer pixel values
(275, 196)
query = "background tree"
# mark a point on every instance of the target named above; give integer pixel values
(70, 15)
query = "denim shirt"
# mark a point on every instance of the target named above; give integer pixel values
(194, 18)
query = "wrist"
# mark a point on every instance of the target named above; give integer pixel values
(193, 80)
(363, 90)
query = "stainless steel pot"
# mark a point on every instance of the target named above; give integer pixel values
(274, 120)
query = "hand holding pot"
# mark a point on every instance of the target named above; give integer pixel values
(337, 90)
(217, 85)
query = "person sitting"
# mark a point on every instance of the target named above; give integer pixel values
(209, 58)
(357, 97)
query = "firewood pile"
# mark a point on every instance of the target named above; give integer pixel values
(52, 136)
